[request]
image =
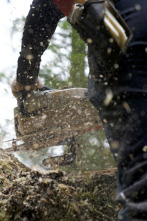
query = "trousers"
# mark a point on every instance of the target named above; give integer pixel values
(121, 99)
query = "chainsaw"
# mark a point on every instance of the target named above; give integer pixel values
(49, 117)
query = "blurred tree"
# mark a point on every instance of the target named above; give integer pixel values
(69, 53)
(2, 75)
(77, 61)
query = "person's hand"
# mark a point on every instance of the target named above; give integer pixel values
(16, 87)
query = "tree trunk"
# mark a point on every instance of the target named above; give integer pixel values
(77, 61)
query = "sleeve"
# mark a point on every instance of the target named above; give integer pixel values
(40, 25)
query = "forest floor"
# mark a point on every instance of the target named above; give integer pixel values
(27, 195)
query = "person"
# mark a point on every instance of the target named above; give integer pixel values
(124, 116)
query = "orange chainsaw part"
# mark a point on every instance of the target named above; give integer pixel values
(66, 6)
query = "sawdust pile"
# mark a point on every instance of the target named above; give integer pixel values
(27, 195)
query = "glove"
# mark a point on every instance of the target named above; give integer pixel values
(16, 87)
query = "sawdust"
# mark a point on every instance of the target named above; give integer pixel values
(27, 195)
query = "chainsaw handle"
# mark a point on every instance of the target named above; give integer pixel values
(22, 95)
(45, 88)
(20, 99)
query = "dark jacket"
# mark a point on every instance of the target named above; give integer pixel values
(40, 25)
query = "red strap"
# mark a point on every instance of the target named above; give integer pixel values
(65, 6)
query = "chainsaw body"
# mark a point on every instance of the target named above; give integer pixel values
(50, 117)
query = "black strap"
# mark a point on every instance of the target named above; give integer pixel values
(93, 1)
(98, 1)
